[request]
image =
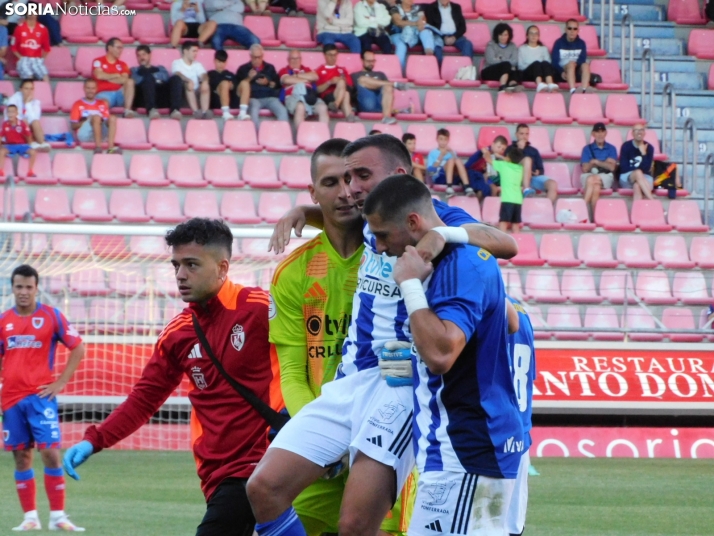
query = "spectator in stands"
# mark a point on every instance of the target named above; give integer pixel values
(299, 92)
(91, 121)
(374, 92)
(258, 7)
(334, 84)
(258, 88)
(502, 59)
(440, 164)
(570, 58)
(636, 159)
(188, 19)
(29, 111)
(418, 164)
(3, 47)
(16, 138)
(598, 163)
(335, 24)
(31, 44)
(536, 180)
(510, 171)
(710, 317)
(228, 15)
(194, 85)
(409, 28)
(151, 83)
(371, 22)
(114, 82)
(222, 83)
(477, 170)
(450, 25)
(534, 62)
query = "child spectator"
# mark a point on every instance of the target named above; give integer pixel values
(418, 166)
(441, 162)
(478, 172)
(222, 84)
(510, 171)
(29, 110)
(16, 137)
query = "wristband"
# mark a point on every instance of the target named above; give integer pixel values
(414, 297)
(453, 235)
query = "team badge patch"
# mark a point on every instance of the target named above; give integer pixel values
(49, 413)
(37, 323)
(238, 337)
(438, 492)
(389, 412)
(198, 378)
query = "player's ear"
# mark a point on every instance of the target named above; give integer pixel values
(414, 222)
(311, 189)
(223, 266)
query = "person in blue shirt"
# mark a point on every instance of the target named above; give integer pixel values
(441, 162)
(636, 159)
(598, 162)
(570, 57)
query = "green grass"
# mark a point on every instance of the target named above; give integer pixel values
(157, 494)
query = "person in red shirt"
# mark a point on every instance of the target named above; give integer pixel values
(418, 164)
(114, 82)
(16, 139)
(91, 121)
(31, 43)
(297, 82)
(334, 84)
(229, 435)
(29, 333)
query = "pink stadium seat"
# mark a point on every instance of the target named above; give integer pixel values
(390, 66)
(311, 134)
(395, 130)
(70, 245)
(239, 207)
(201, 204)
(490, 210)
(276, 137)
(21, 204)
(611, 214)
(691, 288)
(240, 136)
(163, 206)
(513, 107)
(295, 32)
(639, 319)
(540, 139)
(67, 93)
(409, 102)
(441, 106)
(59, 63)
(512, 282)
(263, 29)
(549, 33)
(494, 9)
(56, 125)
(166, 135)
(609, 70)
(649, 216)
(425, 136)
(307, 6)
(127, 283)
(109, 246)
(349, 131)
(160, 56)
(538, 214)
(562, 10)
(603, 318)
(273, 206)
(462, 140)
(147, 170)
(450, 67)
(613, 284)
(88, 282)
(623, 110)
(671, 252)
(127, 206)
(43, 93)
(579, 286)
(52, 204)
(543, 286)
(568, 142)
(653, 287)
(486, 135)
(141, 318)
(184, 171)
(566, 317)
(222, 171)
(90, 204)
(527, 250)
(685, 216)
(259, 172)
(549, 108)
(70, 168)
(83, 60)
(576, 206)
(467, 9)
(595, 250)
(479, 34)
(529, 10)
(469, 204)
(557, 250)
(559, 172)
(148, 29)
(131, 134)
(108, 26)
(423, 71)
(701, 44)
(588, 33)
(477, 106)
(43, 170)
(586, 109)
(294, 171)
(685, 12)
(680, 318)
(77, 29)
(634, 251)
(107, 316)
(203, 135)
(149, 246)
(109, 170)
(701, 251)
(540, 328)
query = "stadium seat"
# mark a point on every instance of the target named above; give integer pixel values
(469, 204)
(295, 32)
(486, 135)
(653, 287)
(623, 109)
(259, 172)
(141, 318)
(221, 171)
(163, 277)
(425, 137)
(559, 172)
(395, 130)
(639, 319)
(349, 131)
(70, 168)
(529, 10)
(70, 245)
(494, 10)
(540, 328)
(184, 171)
(108, 26)
(543, 286)
(263, 29)
(276, 137)
(579, 286)
(148, 29)
(66, 94)
(557, 250)
(649, 216)
(512, 282)
(477, 106)
(294, 172)
(109, 170)
(390, 66)
(701, 251)
(563, 10)
(549, 33)
(83, 61)
(88, 282)
(163, 206)
(514, 108)
(609, 71)
(490, 210)
(203, 135)
(450, 67)
(90, 204)
(538, 213)
(34, 244)
(131, 134)
(42, 169)
(423, 71)
(410, 105)
(701, 44)
(576, 206)
(53, 124)
(239, 208)
(690, 288)
(441, 106)
(595, 250)
(109, 246)
(611, 214)
(201, 204)
(540, 139)
(43, 93)
(567, 316)
(685, 12)
(634, 251)
(21, 204)
(467, 9)
(613, 284)
(588, 33)
(59, 63)
(240, 136)
(147, 170)
(680, 318)
(549, 108)
(527, 250)
(77, 29)
(671, 252)
(685, 216)
(166, 135)
(127, 206)
(52, 204)
(311, 134)
(147, 247)
(479, 34)
(462, 140)
(603, 318)
(273, 205)
(586, 108)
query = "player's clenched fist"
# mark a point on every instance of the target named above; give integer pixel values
(75, 456)
(411, 266)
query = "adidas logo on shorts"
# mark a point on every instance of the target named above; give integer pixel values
(434, 525)
(376, 440)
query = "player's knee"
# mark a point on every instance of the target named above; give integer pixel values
(261, 489)
(352, 524)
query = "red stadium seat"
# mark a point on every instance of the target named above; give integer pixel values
(83, 60)
(558, 171)
(595, 250)
(549, 108)
(166, 135)
(588, 34)
(163, 56)
(409, 105)
(685, 216)
(529, 10)
(569, 142)
(109, 170)
(685, 12)
(490, 210)
(67, 93)
(701, 44)
(90, 204)
(563, 10)
(240, 136)
(479, 34)
(147, 247)
(390, 66)
(394, 130)
(615, 284)
(611, 214)
(423, 71)
(107, 316)
(603, 318)
(477, 106)
(163, 206)
(462, 140)
(538, 213)
(111, 246)
(527, 250)
(307, 6)
(579, 286)
(88, 282)
(127, 206)
(77, 29)
(70, 245)
(469, 204)
(52, 204)
(634, 251)
(494, 10)
(557, 250)
(441, 106)
(653, 287)
(70, 168)
(680, 318)
(203, 135)
(42, 169)
(222, 171)
(586, 109)
(425, 137)
(540, 139)
(311, 134)
(294, 171)
(148, 29)
(649, 216)
(184, 171)
(513, 107)
(147, 170)
(239, 207)
(701, 251)
(273, 206)
(691, 288)
(131, 134)
(576, 206)
(259, 172)
(467, 9)
(349, 131)
(108, 26)
(263, 29)
(549, 33)
(201, 204)
(56, 125)
(671, 252)
(295, 32)
(43, 93)
(566, 317)
(640, 319)
(623, 110)
(486, 135)
(59, 63)
(609, 70)
(543, 286)
(450, 67)
(276, 137)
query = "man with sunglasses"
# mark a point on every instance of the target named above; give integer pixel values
(570, 58)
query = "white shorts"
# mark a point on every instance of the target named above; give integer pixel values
(32, 68)
(359, 412)
(460, 503)
(516, 520)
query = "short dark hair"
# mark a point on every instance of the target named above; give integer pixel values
(572, 20)
(143, 48)
(361, 54)
(514, 154)
(89, 81)
(407, 136)
(394, 151)
(443, 132)
(499, 29)
(25, 270)
(11, 106)
(187, 45)
(221, 55)
(26, 80)
(500, 139)
(522, 125)
(332, 147)
(374, 132)
(396, 196)
(112, 41)
(203, 231)
(328, 47)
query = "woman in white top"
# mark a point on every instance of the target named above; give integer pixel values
(29, 110)
(534, 62)
(188, 19)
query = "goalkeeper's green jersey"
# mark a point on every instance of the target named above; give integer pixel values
(312, 293)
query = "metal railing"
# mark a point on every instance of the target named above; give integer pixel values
(669, 100)
(610, 24)
(647, 60)
(709, 163)
(690, 131)
(631, 39)
(8, 208)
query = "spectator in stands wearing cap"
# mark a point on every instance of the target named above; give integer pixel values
(16, 137)
(91, 121)
(409, 28)
(449, 28)
(222, 83)
(152, 84)
(502, 59)
(371, 22)
(534, 62)
(334, 83)
(374, 92)
(537, 180)
(228, 15)
(636, 159)
(114, 83)
(598, 163)
(570, 58)
(188, 19)
(194, 83)
(259, 87)
(29, 110)
(299, 91)
(335, 24)
(418, 164)
(31, 44)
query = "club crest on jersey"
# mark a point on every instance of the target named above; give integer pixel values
(439, 492)
(37, 323)
(238, 337)
(9, 327)
(198, 378)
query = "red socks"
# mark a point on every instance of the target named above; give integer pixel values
(25, 483)
(54, 486)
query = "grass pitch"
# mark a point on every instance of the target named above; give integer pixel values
(157, 494)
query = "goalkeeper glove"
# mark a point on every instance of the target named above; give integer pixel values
(75, 456)
(336, 469)
(395, 363)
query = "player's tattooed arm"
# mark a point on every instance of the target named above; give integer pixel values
(295, 218)
(53, 389)
(501, 245)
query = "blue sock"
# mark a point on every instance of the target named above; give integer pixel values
(287, 524)
(54, 472)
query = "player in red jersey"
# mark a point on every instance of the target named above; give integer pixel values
(16, 139)
(29, 333)
(229, 436)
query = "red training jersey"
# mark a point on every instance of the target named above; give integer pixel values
(418, 158)
(83, 109)
(228, 436)
(326, 73)
(27, 346)
(288, 90)
(117, 67)
(31, 42)
(16, 134)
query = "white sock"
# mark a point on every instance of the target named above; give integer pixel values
(32, 514)
(225, 109)
(244, 108)
(56, 514)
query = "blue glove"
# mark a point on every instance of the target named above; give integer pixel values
(395, 363)
(75, 456)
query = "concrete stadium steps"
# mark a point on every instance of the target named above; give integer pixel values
(640, 13)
